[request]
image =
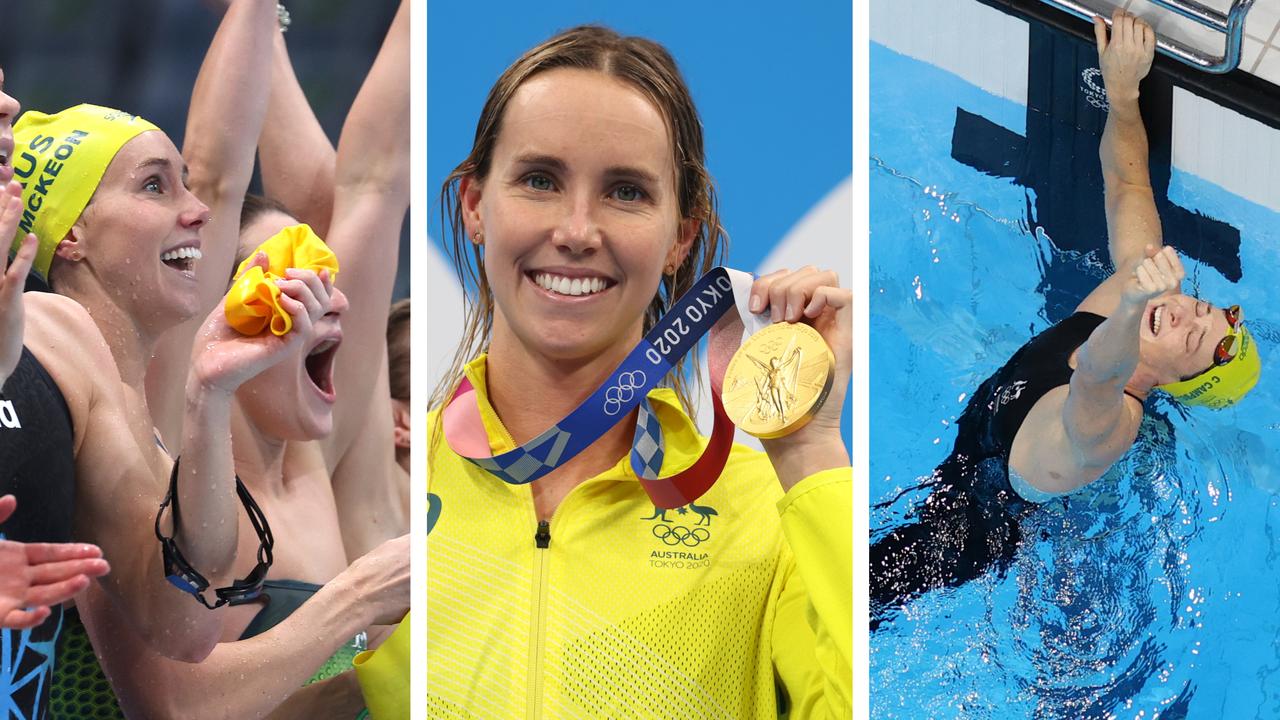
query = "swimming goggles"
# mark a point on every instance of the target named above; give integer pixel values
(186, 578)
(1226, 350)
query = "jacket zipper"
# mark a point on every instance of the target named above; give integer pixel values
(538, 638)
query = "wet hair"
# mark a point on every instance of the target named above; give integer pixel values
(254, 207)
(398, 349)
(647, 67)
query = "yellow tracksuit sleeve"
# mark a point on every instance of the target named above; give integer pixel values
(813, 626)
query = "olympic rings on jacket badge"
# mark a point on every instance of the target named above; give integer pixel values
(681, 535)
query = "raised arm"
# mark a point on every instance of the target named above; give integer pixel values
(1099, 422)
(249, 678)
(371, 196)
(1132, 222)
(228, 105)
(297, 159)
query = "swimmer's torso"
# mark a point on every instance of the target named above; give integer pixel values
(111, 422)
(304, 521)
(37, 467)
(37, 463)
(1025, 401)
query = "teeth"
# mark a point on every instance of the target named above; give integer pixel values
(186, 253)
(1157, 318)
(322, 347)
(569, 286)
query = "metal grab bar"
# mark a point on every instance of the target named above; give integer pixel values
(1231, 24)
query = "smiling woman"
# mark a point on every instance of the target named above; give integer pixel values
(1068, 404)
(580, 156)
(583, 213)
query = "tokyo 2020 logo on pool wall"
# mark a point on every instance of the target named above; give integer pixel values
(773, 86)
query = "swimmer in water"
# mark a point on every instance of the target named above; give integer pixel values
(297, 428)
(1069, 403)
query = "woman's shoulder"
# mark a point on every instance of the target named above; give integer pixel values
(65, 339)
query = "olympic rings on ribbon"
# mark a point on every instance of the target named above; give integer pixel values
(621, 393)
(681, 535)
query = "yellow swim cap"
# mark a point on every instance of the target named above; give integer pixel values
(60, 159)
(253, 305)
(1222, 385)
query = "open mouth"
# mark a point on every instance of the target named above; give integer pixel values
(570, 286)
(319, 364)
(182, 259)
(6, 162)
(1157, 320)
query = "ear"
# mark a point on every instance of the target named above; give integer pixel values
(470, 189)
(71, 248)
(400, 420)
(684, 242)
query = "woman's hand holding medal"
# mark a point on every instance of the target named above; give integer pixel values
(812, 297)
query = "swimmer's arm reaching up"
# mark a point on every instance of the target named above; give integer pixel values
(1100, 421)
(1132, 221)
(371, 197)
(228, 105)
(296, 158)
(227, 108)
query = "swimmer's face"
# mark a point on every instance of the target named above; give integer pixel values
(9, 109)
(1180, 334)
(579, 214)
(140, 233)
(293, 399)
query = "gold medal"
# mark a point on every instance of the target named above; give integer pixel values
(778, 380)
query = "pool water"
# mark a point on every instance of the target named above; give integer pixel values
(1154, 592)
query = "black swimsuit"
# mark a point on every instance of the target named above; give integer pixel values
(37, 466)
(1038, 367)
(969, 522)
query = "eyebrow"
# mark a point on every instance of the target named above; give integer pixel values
(613, 171)
(632, 173)
(162, 163)
(550, 161)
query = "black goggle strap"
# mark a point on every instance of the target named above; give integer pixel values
(183, 576)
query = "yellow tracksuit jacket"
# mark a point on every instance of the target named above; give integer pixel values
(737, 605)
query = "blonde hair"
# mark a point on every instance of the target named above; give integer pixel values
(650, 69)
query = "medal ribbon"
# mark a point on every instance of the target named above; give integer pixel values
(703, 308)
